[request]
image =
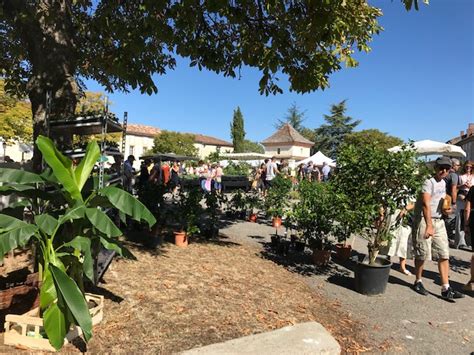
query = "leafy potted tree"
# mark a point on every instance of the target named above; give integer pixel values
(187, 213)
(277, 199)
(236, 205)
(315, 218)
(344, 223)
(68, 228)
(213, 203)
(379, 182)
(252, 202)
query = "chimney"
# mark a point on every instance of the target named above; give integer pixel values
(462, 134)
(470, 129)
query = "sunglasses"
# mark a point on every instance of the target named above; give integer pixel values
(445, 167)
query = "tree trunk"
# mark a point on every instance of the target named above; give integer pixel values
(46, 29)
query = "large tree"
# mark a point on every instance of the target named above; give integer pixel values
(252, 147)
(375, 137)
(15, 117)
(237, 131)
(48, 45)
(330, 136)
(175, 142)
(295, 117)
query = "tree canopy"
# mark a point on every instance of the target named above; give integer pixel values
(15, 117)
(252, 147)
(175, 142)
(330, 136)
(48, 46)
(369, 137)
(237, 131)
(294, 116)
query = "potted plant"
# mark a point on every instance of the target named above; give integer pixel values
(187, 213)
(237, 204)
(252, 202)
(68, 229)
(345, 223)
(378, 182)
(213, 203)
(277, 199)
(315, 218)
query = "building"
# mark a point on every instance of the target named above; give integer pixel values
(288, 143)
(140, 140)
(207, 145)
(466, 141)
(16, 151)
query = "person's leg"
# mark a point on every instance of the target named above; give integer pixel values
(443, 268)
(419, 269)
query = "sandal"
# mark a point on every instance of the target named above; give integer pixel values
(406, 272)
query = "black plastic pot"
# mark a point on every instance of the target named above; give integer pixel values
(283, 247)
(299, 246)
(275, 241)
(372, 279)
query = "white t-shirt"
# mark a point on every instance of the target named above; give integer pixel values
(271, 171)
(437, 190)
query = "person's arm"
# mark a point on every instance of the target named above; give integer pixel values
(426, 198)
(467, 215)
(454, 191)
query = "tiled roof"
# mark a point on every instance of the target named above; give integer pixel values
(142, 130)
(202, 139)
(287, 134)
(459, 140)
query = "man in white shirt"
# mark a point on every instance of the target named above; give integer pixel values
(272, 171)
(429, 232)
(326, 170)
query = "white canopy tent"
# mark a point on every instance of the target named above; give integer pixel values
(429, 147)
(245, 156)
(318, 159)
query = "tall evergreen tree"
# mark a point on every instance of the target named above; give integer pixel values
(329, 136)
(295, 117)
(237, 131)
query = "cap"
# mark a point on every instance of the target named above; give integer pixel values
(443, 161)
(131, 157)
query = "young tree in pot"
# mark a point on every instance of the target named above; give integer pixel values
(213, 204)
(68, 230)
(252, 202)
(188, 213)
(277, 198)
(315, 217)
(345, 222)
(378, 183)
(237, 204)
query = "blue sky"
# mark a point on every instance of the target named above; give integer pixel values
(417, 83)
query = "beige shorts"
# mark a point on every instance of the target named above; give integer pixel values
(438, 244)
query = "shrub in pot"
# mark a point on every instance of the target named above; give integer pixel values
(252, 202)
(378, 182)
(277, 198)
(187, 215)
(345, 223)
(68, 229)
(213, 203)
(314, 215)
(236, 204)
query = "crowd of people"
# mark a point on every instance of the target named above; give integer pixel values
(441, 220)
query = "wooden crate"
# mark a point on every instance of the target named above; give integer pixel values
(26, 330)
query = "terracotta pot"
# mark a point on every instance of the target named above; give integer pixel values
(343, 252)
(253, 217)
(321, 257)
(181, 239)
(276, 222)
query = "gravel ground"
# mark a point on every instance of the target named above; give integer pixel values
(415, 324)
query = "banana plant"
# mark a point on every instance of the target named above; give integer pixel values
(68, 227)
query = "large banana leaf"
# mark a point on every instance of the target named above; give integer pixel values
(61, 166)
(46, 223)
(75, 212)
(128, 204)
(47, 292)
(115, 245)
(102, 222)
(55, 325)
(13, 233)
(19, 176)
(84, 245)
(84, 169)
(74, 300)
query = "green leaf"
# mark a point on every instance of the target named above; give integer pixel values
(61, 166)
(74, 300)
(16, 187)
(84, 245)
(14, 233)
(102, 222)
(128, 204)
(114, 245)
(55, 325)
(48, 291)
(46, 223)
(19, 176)
(84, 169)
(76, 212)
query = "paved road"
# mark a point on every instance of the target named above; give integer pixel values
(420, 324)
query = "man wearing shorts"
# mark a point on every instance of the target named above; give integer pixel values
(429, 233)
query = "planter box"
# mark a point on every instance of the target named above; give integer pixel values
(26, 330)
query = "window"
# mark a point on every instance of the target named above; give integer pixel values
(278, 150)
(131, 149)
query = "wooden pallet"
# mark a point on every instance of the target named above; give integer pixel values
(26, 330)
